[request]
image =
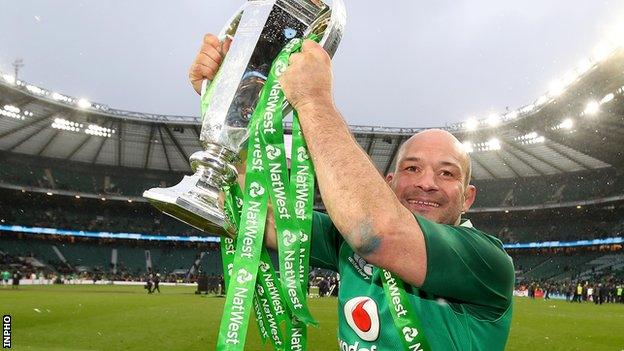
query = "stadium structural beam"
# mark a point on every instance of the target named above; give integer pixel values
(549, 144)
(78, 147)
(50, 140)
(482, 165)
(400, 141)
(369, 147)
(511, 150)
(539, 158)
(559, 148)
(20, 102)
(53, 137)
(175, 142)
(162, 142)
(119, 143)
(97, 154)
(586, 143)
(26, 125)
(198, 133)
(508, 164)
(39, 130)
(23, 140)
(149, 147)
(23, 102)
(196, 130)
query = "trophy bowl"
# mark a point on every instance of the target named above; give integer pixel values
(259, 31)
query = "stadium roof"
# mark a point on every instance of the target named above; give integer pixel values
(578, 125)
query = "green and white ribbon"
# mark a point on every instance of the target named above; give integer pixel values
(233, 207)
(302, 191)
(292, 199)
(274, 160)
(404, 317)
(272, 302)
(237, 309)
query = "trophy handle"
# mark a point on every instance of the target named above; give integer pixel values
(330, 26)
(232, 25)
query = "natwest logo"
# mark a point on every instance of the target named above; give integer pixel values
(363, 317)
(364, 268)
(344, 346)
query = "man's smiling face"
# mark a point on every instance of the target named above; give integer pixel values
(431, 177)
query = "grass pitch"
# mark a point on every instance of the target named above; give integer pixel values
(126, 318)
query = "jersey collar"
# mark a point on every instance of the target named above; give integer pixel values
(465, 223)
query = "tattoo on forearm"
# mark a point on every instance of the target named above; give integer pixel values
(365, 239)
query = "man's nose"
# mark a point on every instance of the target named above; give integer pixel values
(427, 181)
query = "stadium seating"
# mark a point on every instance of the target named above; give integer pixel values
(56, 174)
(92, 255)
(573, 264)
(62, 175)
(41, 210)
(548, 189)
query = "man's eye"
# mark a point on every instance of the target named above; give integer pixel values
(411, 168)
(447, 174)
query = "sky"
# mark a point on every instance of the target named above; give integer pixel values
(401, 63)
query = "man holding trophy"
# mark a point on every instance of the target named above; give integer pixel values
(414, 274)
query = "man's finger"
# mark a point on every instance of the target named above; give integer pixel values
(212, 40)
(294, 58)
(225, 46)
(209, 54)
(314, 48)
(204, 71)
(310, 45)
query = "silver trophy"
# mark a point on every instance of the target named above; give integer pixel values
(259, 31)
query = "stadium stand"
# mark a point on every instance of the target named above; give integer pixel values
(91, 214)
(578, 186)
(552, 170)
(92, 255)
(44, 173)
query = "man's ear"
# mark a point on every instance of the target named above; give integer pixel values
(470, 194)
(389, 177)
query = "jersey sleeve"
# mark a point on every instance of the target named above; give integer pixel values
(467, 266)
(326, 241)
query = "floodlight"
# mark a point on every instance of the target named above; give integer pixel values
(583, 66)
(472, 124)
(9, 79)
(556, 88)
(569, 78)
(592, 108)
(12, 108)
(607, 98)
(541, 100)
(567, 123)
(494, 120)
(83, 103)
(601, 52)
(35, 90)
(512, 115)
(494, 144)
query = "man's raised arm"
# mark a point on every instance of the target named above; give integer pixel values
(360, 203)
(205, 66)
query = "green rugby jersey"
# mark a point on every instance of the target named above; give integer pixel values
(465, 302)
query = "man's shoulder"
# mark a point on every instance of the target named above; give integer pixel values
(465, 229)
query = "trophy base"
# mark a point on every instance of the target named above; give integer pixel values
(193, 204)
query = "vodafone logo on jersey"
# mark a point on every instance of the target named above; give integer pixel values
(363, 317)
